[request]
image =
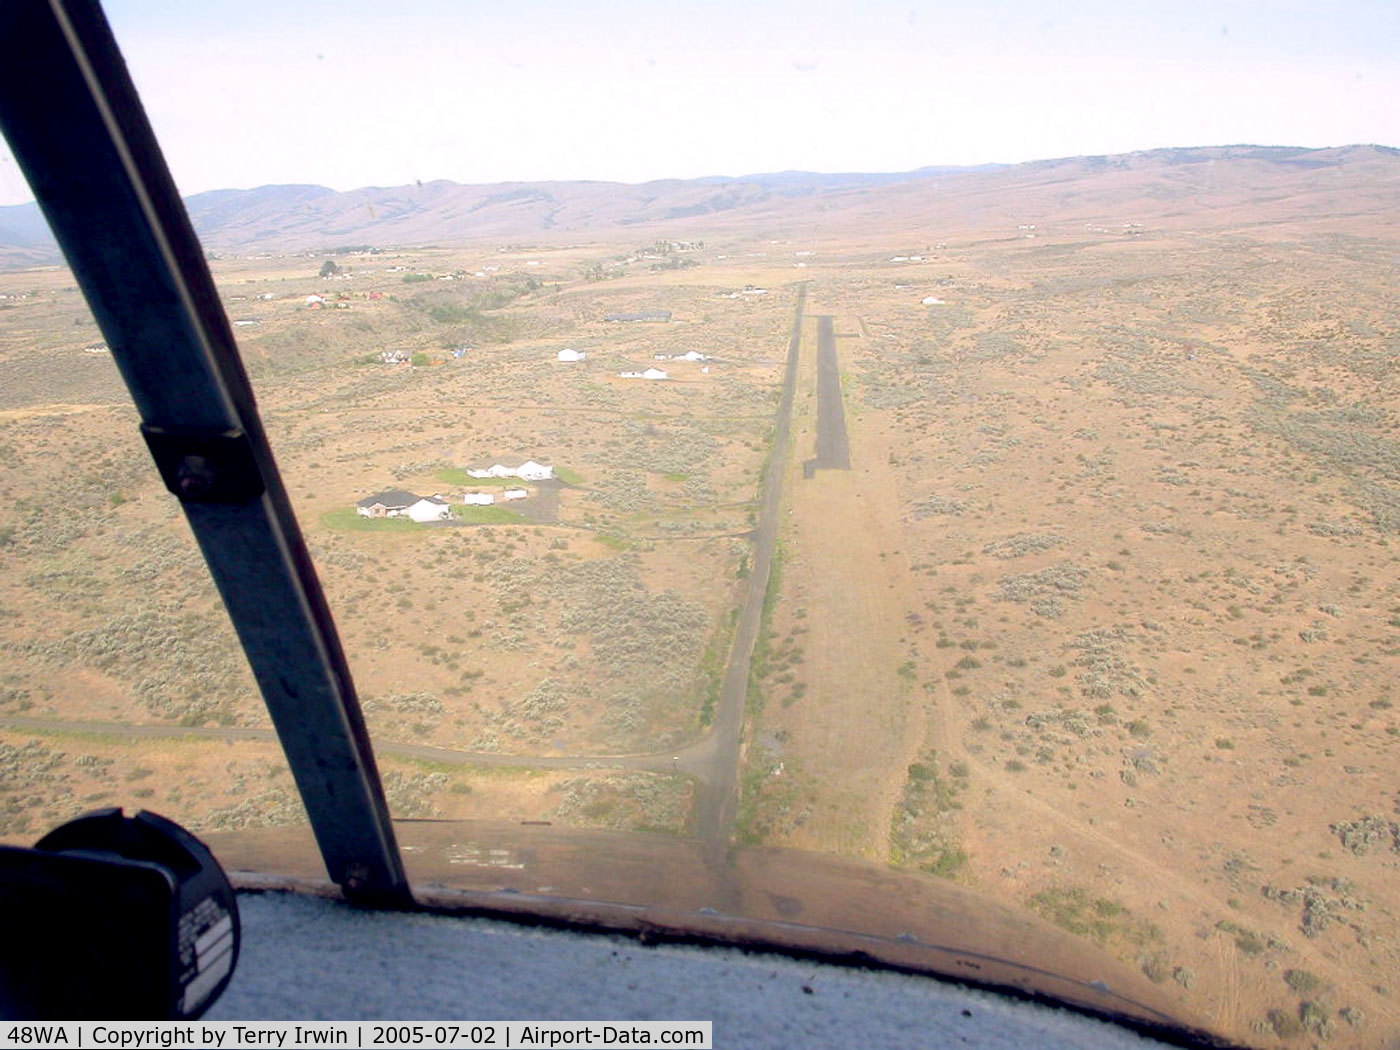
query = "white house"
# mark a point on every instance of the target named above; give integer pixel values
(478, 499)
(570, 354)
(510, 467)
(630, 374)
(430, 508)
(314, 300)
(655, 373)
(644, 315)
(932, 300)
(510, 494)
(692, 355)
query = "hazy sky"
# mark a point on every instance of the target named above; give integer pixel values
(354, 93)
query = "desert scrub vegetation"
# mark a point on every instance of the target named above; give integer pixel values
(626, 491)
(1024, 543)
(1323, 901)
(1044, 591)
(183, 663)
(412, 794)
(777, 794)
(539, 714)
(624, 802)
(1134, 367)
(1314, 1013)
(628, 658)
(417, 713)
(1107, 923)
(938, 505)
(924, 827)
(1106, 671)
(1367, 833)
(34, 787)
(273, 807)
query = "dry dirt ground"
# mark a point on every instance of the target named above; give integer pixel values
(1131, 508)
(1103, 623)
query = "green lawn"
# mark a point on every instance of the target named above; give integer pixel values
(347, 519)
(458, 476)
(487, 515)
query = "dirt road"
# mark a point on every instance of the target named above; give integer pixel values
(717, 800)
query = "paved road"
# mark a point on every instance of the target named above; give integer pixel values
(713, 760)
(833, 445)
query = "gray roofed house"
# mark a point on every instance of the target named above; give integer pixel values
(487, 464)
(388, 504)
(644, 315)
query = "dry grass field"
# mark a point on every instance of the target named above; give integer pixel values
(1103, 623)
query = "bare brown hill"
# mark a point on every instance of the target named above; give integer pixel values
(1261, 183)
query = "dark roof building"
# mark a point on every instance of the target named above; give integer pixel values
(645, 315)
(391, 499)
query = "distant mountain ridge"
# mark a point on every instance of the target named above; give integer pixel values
(282, 218)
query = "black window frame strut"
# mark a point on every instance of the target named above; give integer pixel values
(76, 127)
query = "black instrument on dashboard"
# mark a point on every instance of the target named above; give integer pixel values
(114, 918)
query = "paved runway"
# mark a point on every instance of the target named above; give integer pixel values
(833, 445)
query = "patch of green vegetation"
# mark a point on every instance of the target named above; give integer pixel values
(1303, 982)
(775, 798)
(458, 476)
(1104, 921)
(923, 829)
(759, 663)
(710, 675)
(1284, 1024)
(1246, 940)
(567, 476)
(487, 515)
(614, 541)
(347, 519)
(624, 801)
